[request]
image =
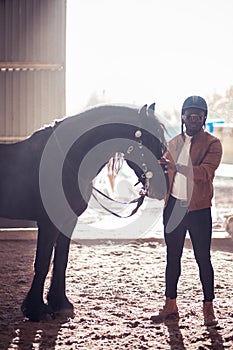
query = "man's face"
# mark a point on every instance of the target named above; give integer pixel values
(193, 119)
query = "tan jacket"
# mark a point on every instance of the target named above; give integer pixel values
(205, 157)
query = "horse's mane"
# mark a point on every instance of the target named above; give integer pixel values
(103, 114)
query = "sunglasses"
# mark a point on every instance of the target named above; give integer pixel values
(194, 117)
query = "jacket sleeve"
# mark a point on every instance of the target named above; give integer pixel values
(210, 162)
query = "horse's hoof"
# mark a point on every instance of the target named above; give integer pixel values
(60, 305)
(36, 314)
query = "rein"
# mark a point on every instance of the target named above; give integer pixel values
(138, 200)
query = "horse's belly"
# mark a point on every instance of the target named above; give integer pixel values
(16, 204)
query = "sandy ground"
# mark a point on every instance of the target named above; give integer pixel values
(115, 287)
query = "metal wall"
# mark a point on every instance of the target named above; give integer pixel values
(32, 65)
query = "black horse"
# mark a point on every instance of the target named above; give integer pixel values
(48, 177)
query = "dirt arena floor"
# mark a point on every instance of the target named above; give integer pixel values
(115, 287)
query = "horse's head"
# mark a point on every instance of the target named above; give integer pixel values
(148, 146)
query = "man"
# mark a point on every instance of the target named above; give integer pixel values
(191, 161)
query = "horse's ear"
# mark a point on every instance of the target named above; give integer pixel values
(142, 111)
(151, 109)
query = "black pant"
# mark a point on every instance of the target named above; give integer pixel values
(177, 220)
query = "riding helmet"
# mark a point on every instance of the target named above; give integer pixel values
(195, 102)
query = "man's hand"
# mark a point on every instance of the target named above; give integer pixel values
(167, 163)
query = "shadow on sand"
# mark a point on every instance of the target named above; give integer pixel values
(32, 335)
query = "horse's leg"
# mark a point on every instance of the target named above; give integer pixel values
(33, 305)
(57, 299)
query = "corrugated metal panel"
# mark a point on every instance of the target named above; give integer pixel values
(32, 65)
